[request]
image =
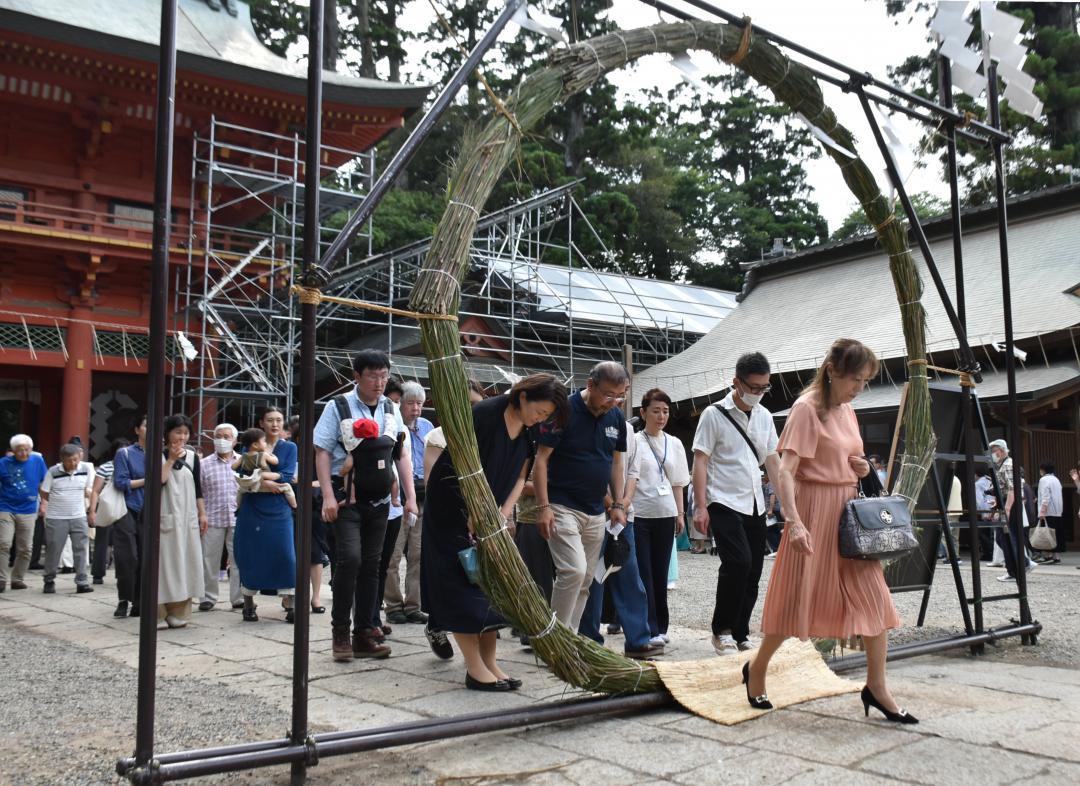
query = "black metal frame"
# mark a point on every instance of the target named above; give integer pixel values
(301, 749)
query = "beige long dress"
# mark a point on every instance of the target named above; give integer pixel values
(180, 568)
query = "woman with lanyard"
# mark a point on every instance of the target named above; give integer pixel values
(263, 543)
(658, 505)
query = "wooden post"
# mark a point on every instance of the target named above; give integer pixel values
(896, 437)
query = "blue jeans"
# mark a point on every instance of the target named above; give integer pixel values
(628, 593)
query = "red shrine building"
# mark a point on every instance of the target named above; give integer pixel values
(77, 98)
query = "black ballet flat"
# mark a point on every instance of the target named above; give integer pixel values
(757, 702)
(499, 686)
(513, 682)
(869, 700)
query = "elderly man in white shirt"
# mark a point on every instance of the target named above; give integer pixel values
(733, 439)
(66, 489)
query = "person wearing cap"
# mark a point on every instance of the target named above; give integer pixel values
(1003, 466)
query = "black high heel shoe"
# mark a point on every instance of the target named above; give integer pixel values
(757, 702)
(869, 700)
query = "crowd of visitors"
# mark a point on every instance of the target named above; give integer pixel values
(594, 502)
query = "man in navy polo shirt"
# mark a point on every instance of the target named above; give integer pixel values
(576, 468)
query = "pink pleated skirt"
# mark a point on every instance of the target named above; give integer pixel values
(822, 595)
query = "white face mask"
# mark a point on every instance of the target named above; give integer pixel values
(751, 399)
(223, 446)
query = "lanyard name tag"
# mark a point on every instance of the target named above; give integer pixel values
(663, 489)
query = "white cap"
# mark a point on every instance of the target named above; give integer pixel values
(1000, 443)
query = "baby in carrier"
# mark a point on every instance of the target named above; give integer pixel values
(255, 465)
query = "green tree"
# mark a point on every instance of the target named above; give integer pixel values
(926, 206)
(1043, 151)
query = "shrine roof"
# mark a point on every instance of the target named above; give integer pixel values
(208, 42)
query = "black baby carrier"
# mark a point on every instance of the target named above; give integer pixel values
(373, 460)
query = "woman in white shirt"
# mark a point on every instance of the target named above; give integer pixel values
(658, 504)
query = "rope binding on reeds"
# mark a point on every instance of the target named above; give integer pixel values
(312, 295)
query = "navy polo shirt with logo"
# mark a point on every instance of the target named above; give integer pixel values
(579, 469)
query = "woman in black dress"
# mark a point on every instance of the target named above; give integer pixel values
(503, 426)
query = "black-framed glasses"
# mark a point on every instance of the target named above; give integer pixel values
(757, 390)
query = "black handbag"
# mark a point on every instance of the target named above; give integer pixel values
(876, 525)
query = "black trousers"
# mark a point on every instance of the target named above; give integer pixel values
(536, 555)
(100, 562)
(393, 527)
(358, 540)
(127, 541)
(1010, 547)
(740, 543)
(652, 541)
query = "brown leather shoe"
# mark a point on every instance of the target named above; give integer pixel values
(342, 645)
(364, 645)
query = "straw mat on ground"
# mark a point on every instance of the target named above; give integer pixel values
(713, 688)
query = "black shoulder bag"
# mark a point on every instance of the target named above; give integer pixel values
(876, 525)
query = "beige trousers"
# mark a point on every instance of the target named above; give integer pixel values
(575, 548)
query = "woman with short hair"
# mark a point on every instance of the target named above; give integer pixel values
(183, 520)
(506, 442)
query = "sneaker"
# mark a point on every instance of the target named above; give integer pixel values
(657, 641)
(439, 643)
(342, 644)
(996, 564)
(364, 645)
(162, 625)
(416, 617)
(673, 585)
(1007, 578)
(643, 653)
(746, 645)
(50, 587)
(771, 555)
(175, 622)
(121, 609)
(208, 605)
(725, 644)
(614, 629)
(99, 580)
(81, 588)
(134, 610)
(1030, 566)
(664, 638)
(397, 617)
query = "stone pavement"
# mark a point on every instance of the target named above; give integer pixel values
(987, 720)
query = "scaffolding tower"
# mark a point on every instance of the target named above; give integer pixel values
(531, 301)
(247, 216)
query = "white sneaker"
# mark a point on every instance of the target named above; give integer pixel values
(1031, 566)
(657, 641)
(724, 644)
(996, 564)
(747, 644)
(664, 637)
(1006, 577)
(673, 585)
(771, 555)
(175, 622)
(162, 625)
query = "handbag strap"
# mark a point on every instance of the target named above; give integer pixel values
(742, 433)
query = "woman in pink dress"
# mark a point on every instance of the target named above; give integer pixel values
(813, 592)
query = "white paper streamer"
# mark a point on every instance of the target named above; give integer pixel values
(824, 138)
(538, 22)
(690, 72)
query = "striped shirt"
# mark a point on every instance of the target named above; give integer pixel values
(218, 483)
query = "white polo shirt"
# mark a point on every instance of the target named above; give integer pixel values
(68, 490)
(733, 476)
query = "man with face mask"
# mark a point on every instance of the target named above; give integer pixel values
(733, 439)
(1003, 466)
(21, 474)
(219, 494)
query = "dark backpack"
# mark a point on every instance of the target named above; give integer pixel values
(373, 460)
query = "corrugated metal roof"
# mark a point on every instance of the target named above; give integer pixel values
(793, 317)
(1032, 380)
(207, 41)
(611, 298)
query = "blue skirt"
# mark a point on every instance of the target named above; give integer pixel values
(263, 542)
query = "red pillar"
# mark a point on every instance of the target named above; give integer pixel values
(78, 377)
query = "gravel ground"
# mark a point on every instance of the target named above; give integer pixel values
(1052, 593)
